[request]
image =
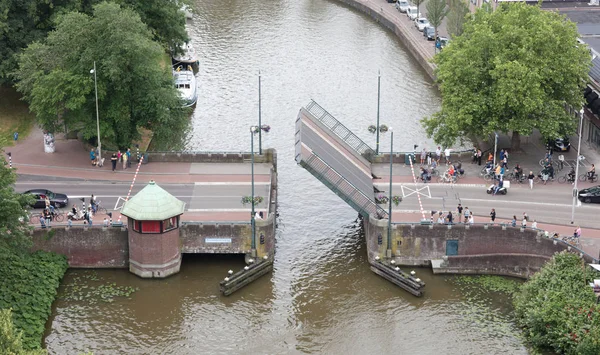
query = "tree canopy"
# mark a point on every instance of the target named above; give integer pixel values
(23, 22)
(512, 70)
(134, 89)
(14, 229)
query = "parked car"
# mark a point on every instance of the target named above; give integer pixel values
(421, 23)
(429, 32)
(391, 1)
(57, 200)
(411, 12)
(589, 195)
(559, 144)
(442, 42)
(402, 5)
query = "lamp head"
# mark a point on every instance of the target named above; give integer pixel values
(92, 71)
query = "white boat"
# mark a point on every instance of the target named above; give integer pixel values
(187, 11)
(188, 56)
(185, 83)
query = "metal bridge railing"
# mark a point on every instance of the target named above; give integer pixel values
(343, 188)
(340, 130)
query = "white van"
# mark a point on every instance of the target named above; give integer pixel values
(412, 14)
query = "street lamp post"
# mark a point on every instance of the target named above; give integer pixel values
(378, 101)
(253, 130)
(495, 148)
(577, 167)
(93, 71)
(259, 116)
(389, 231)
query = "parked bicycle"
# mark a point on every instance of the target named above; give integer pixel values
(571, 239)
(100, 208)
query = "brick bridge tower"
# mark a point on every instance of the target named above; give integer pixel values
(153, 229)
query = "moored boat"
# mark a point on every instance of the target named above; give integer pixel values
(187, 57)
(185, 83)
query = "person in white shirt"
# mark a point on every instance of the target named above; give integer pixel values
(534, 224)
(447, 154)
(257, 216)
(471, 219)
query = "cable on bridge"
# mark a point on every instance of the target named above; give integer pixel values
(137, 170)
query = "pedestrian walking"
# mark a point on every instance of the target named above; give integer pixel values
(524, 223)
(42, 221)
(459, 210)
(449, 217)
(47, 201)
(440, 218)
(525, 216)
(124, 161)
(534, 224)
(467, 214)
(113, 160)
(88, 216)
(105, 222)
(423, 156)
(447, 155)
(93, 204)
(501, 154)
(471, 219)
(514, 221)
(128, 153)
(479, 155)
(493, 215)
(93, 156)
(530, 177)
(438, 154)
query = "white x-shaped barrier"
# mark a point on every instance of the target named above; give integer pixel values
(417, 190)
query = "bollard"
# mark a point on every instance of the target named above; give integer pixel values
(9, 160)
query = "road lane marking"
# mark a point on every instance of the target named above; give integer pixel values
(244, 183)
(428, 184)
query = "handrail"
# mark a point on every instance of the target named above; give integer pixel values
(340, 130)
(370, 201)
(195, 152)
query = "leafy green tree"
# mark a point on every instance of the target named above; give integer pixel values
(14, 229)
(134, 90)
(418, 5)
(436, 11)
(457, 17)
(164, 18)
(22, 22)
(500, 75)
(11, 342)
(557, 309)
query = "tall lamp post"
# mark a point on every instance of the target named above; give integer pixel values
(495, 149)
(577, 167)
(93, 71)
(259, 116)
(389, 231)
(378, 101)
(253, 130)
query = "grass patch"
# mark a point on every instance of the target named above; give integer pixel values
(14, 116)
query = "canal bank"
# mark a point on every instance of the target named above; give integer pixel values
(392, 19)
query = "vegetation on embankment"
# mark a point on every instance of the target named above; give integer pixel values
(28, 286)
(557, 308)
(14, 116)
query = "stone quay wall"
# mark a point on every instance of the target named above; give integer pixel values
(269, 156)
(402, 30)
(99, 247)
(479, 248)
(85, 247)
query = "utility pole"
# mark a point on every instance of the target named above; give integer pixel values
(389, 231)
(378, 101)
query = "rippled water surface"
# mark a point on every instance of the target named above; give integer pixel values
(321, 297)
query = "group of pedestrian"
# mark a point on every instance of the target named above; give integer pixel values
(431, 157)
(124, 158)
(477, 155)
(464, 215)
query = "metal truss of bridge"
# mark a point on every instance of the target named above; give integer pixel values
(337, 157)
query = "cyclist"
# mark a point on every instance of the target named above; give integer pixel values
(592, 172)
(571, 175)
(518, 172)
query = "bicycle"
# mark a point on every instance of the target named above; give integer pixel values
(585, 177)
(566, 178)
(446, 178)
(100, 209)
(571, 239)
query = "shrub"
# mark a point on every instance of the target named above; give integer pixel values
(557, 309)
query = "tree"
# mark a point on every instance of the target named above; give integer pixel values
(457, 17)
(14, 229)
(11, 342)
(436, 11)
(134, 90)
(418, 4)
(505, 73)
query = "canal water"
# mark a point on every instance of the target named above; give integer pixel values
(321, 297)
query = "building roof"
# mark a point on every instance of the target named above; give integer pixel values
(153, 203)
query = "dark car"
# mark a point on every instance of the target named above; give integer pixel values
(429, 32)
(591, 194)
(57, 200)
(559, 144)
